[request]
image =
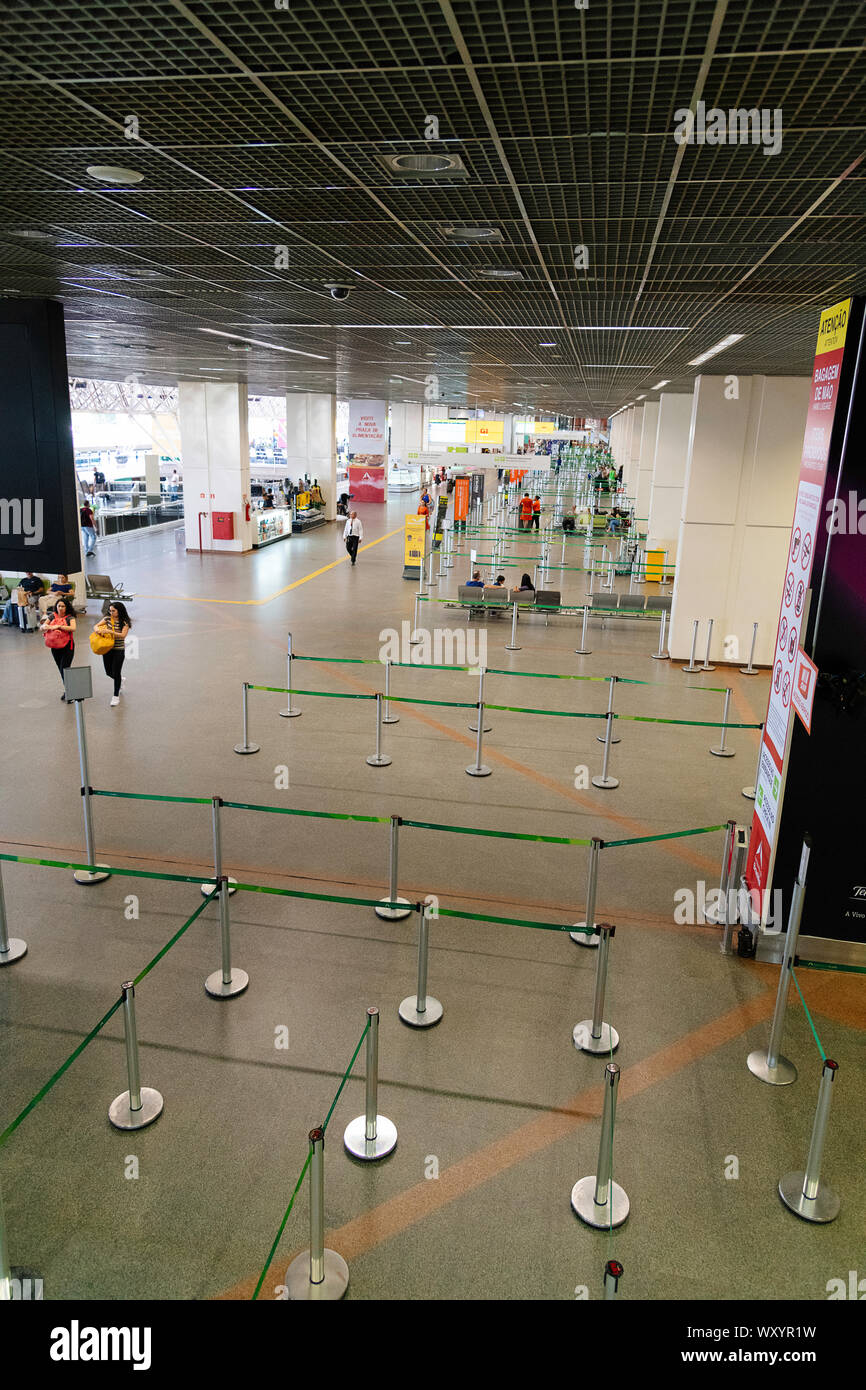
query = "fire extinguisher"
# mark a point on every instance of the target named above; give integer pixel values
(246, 508)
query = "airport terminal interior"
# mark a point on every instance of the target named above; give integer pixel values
(344, 303)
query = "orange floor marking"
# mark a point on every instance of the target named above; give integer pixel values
(398, 1213)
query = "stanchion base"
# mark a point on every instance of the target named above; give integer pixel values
(247, 747)
(390, 719)
(606, 782)
(585, 1042)
(208, 888)
(510, 648)
(661, 656)
(581, 938)
(360, 1146)
(332, 1287)
(722, 752)
(823, 1207)
(706, 668)
(744, 671)
(473, 728)
(583, 651)
(17, 949)
(217, 990)
(289, 714)
(600, 738)
(394, 914)
(379, 760)
(600, 1215)
(408, 1011)
(749, 792)
(482, 771)
(783, 1074)
(690, 669)
(122, 1117)
(84, 877)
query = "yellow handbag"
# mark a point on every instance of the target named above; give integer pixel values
(101, 642)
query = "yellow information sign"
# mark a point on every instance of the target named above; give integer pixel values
(655, 560)
(413, 554)
(833, 327)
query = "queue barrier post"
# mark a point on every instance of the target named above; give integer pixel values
(593, 1034)
(421, 1010)
(473, 728)
(212, 886)
(478, 768)
(371, 1136)
(580, 937)
(803, 1192)
(11, 948)
(431, 582)
(769, 1065)
(691, 666)
(512, 645)
(387, 716)
(750, 792)
(379, 759)
(598, 1200)
(138, 1106)
(706, 663)
(228, 981)
(393, 914)
(600, 738)
(722, 751)
(718, 914)
(415, 638)
(245, 746)
(583, 649)
(661, 654)
(612, 1276)
(288, 712)
(734, 900)
(317, 1274)
(86, 877)
(605, 780)
(751, 669)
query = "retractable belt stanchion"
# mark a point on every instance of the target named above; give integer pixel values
(706, 663)
(387, 716)
(612, 1276)
(228, 981)
(605, 780)
(583, 938)
(598, 1200)
(691, 666)
(661, 654)
(593, 1034)
(288, 712)
(245, 746)
(449, 559)
(415, 639)
(583, 649)
(749, 792)
(421, 1010)
(722, 751)
(770, 1065)
(473, 728)
(601, 738)
(478, 768)
(11, 948)
(393, 914)
(803, 1192)
(430, 580)
(378, 759)
(318, 1273)
(211, 887)
(733, 901)
(139, 1105)
(512, 645)
(371, 1135)
(84, 876)
(718, 914)
(751, 670)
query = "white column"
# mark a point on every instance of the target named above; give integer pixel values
(215, 452)
(646, 461)
(406, 431)
(311, 442)
(669, 472)
(738, 501)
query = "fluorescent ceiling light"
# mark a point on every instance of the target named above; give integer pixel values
(275, 347)
(111, 173)
(659, 384)
(497, 327)
(719, 347)
(642, 398)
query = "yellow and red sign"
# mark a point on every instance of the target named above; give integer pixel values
(461, 499)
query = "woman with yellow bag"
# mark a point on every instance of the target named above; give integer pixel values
(108, 640)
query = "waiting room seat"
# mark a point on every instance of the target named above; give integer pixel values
(101, 586)
(548, 599)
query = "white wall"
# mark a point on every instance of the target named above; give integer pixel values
(215, 453)
(646, 461)
(669, 472)
(311, 441)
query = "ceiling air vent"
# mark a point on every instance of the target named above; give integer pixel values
(429, 164)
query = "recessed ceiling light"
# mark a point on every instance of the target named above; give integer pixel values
(35, 235)
(719, 347)
(462, 233)
(257, 342)
(659, 384)
(641, 398)
(111, 173)
(428, 163)
(494, 273)
(401, 342)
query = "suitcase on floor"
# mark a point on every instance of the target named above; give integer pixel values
(31, 617)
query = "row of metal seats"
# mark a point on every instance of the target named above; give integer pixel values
(630, 603)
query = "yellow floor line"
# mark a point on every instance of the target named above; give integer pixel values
(188, 598)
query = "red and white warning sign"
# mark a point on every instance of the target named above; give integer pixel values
(803, 696)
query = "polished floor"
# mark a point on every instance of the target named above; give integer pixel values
(497, 1113)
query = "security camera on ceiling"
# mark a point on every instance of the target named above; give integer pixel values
(339, 289)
